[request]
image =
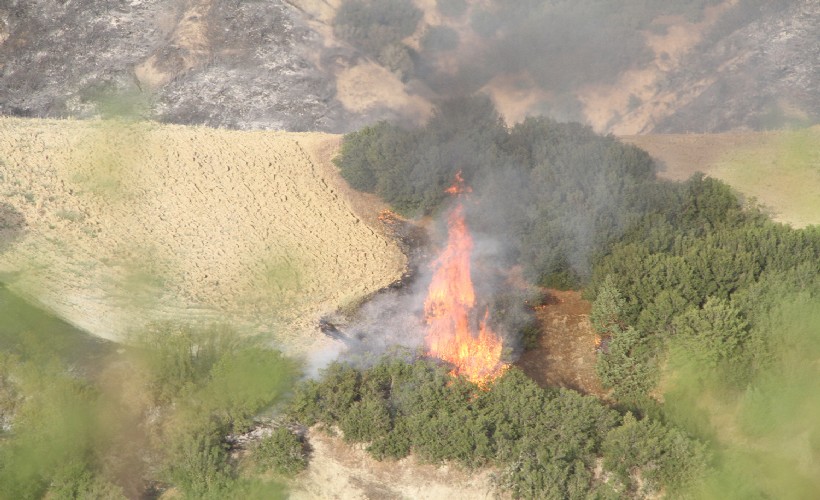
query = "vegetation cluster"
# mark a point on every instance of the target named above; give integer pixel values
(557, 192)
(706, 309)
(697, 274)
(160, 417)
(544, 443)
(714, 308)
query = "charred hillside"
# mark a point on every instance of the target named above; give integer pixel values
(761, 68)
(226, 63)
(621, 67)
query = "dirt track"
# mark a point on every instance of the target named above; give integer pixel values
(130, 222)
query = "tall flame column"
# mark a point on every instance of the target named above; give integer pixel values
(450, 305)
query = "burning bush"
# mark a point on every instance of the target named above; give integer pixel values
(452, 336)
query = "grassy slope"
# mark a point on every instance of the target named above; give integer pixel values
(780, 169)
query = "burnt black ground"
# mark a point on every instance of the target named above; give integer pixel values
(261, 65)
(78, 58)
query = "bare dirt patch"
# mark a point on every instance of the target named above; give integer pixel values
(566, 352)
(339, 470)
(132, 222)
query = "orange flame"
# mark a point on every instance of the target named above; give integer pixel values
(450, 303)
(458, 187)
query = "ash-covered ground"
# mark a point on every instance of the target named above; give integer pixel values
(223, 63)
(761, 73)
(277, 64)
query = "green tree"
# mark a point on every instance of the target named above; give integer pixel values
(607, 310)
(628, 366)
(714, 333)
(283, 452)
(662, 456)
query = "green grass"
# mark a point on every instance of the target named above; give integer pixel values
(28, 330)
(782, 172)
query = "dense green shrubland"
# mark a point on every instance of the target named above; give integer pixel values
(710, 311)
(701, 303)
(557, 193)
(693, 277)
(544, 443)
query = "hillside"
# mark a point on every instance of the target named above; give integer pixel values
(694, 66)
(780, 170)
(757, 70)
(227, 63)
(115, 224)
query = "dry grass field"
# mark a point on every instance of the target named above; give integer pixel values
(123, 223)
(780, 169)
(339, 470)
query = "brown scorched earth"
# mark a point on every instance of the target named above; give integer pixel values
(566, 351)
(127, 223)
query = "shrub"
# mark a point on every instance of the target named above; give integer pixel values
(545, 443)
(366, 421)
(196, 460)
(575, 192)
(662, 455)
(372, 25)
(77, 481)
(283, 452)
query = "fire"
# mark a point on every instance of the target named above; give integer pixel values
(458, 187)
(449, 307)
(388, 217)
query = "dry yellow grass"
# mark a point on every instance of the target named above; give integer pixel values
(781, 169)
(132, 222)
(339, 470)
